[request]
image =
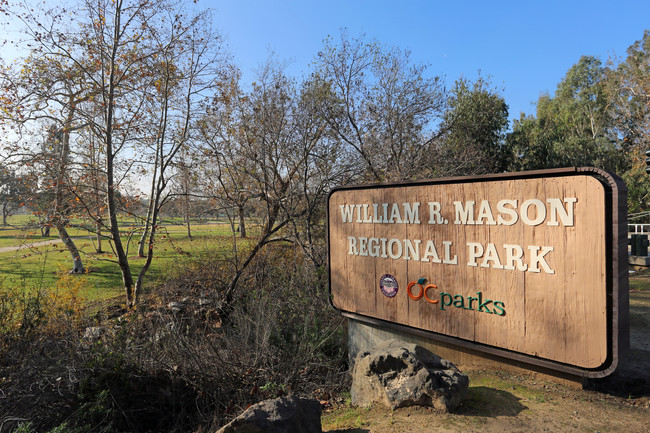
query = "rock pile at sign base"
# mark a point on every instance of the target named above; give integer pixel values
(281, 415)
(398, 374)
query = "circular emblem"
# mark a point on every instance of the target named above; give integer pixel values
(388, 285)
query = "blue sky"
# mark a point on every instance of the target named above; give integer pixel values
(525, 47)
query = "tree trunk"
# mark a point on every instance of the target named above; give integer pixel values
(150, 209)
(231, 219)
(60, 212)
(122, 259)
(187, 223)
(99, 249)
(150, 243)
(77, 265)
(145, 233)
(242, 223)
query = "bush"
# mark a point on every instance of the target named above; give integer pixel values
(180, 363)
(41, 310)
(281, 335)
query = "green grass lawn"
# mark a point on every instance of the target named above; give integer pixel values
(38, 265)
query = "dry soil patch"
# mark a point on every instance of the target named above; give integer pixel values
(503, 402)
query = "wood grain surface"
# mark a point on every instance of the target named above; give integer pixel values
(556, 309)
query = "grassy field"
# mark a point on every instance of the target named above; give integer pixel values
(37, 265)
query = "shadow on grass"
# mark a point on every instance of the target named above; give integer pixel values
(490, 402)
(632, 376)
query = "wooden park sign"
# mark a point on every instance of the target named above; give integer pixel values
(531, 266)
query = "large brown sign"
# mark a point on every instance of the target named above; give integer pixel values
(526, 263)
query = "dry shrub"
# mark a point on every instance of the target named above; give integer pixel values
(281, 335)
(179, 364)
(42, 310)
(39, 340)
(66, 304)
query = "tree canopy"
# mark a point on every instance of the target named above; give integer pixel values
(140, 89)
(598, 116)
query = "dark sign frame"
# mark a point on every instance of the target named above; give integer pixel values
(617, 284)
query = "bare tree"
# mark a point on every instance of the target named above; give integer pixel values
(223, 137)
(184, 185)
(43, 97)
(260, 152)
(379, 104)
(327, 163)
(142, 68)
(12, 189)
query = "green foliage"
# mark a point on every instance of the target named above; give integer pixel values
(638, 188)
(599, 116)
(24, 427)
(63, 428)
(476, 123)
(96, 410)
(11, 190)
(573, 128)
(630, 94)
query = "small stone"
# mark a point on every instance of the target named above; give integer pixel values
(176, 307)
(287, 414)
(94, 333)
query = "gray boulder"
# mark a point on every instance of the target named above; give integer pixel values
(398, 374)
(289, 414)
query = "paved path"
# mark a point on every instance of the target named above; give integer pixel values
(32, 245)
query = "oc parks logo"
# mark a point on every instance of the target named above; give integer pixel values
(417, 290)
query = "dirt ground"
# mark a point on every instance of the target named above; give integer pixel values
(506, 402)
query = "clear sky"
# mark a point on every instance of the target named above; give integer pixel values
(526, 47)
